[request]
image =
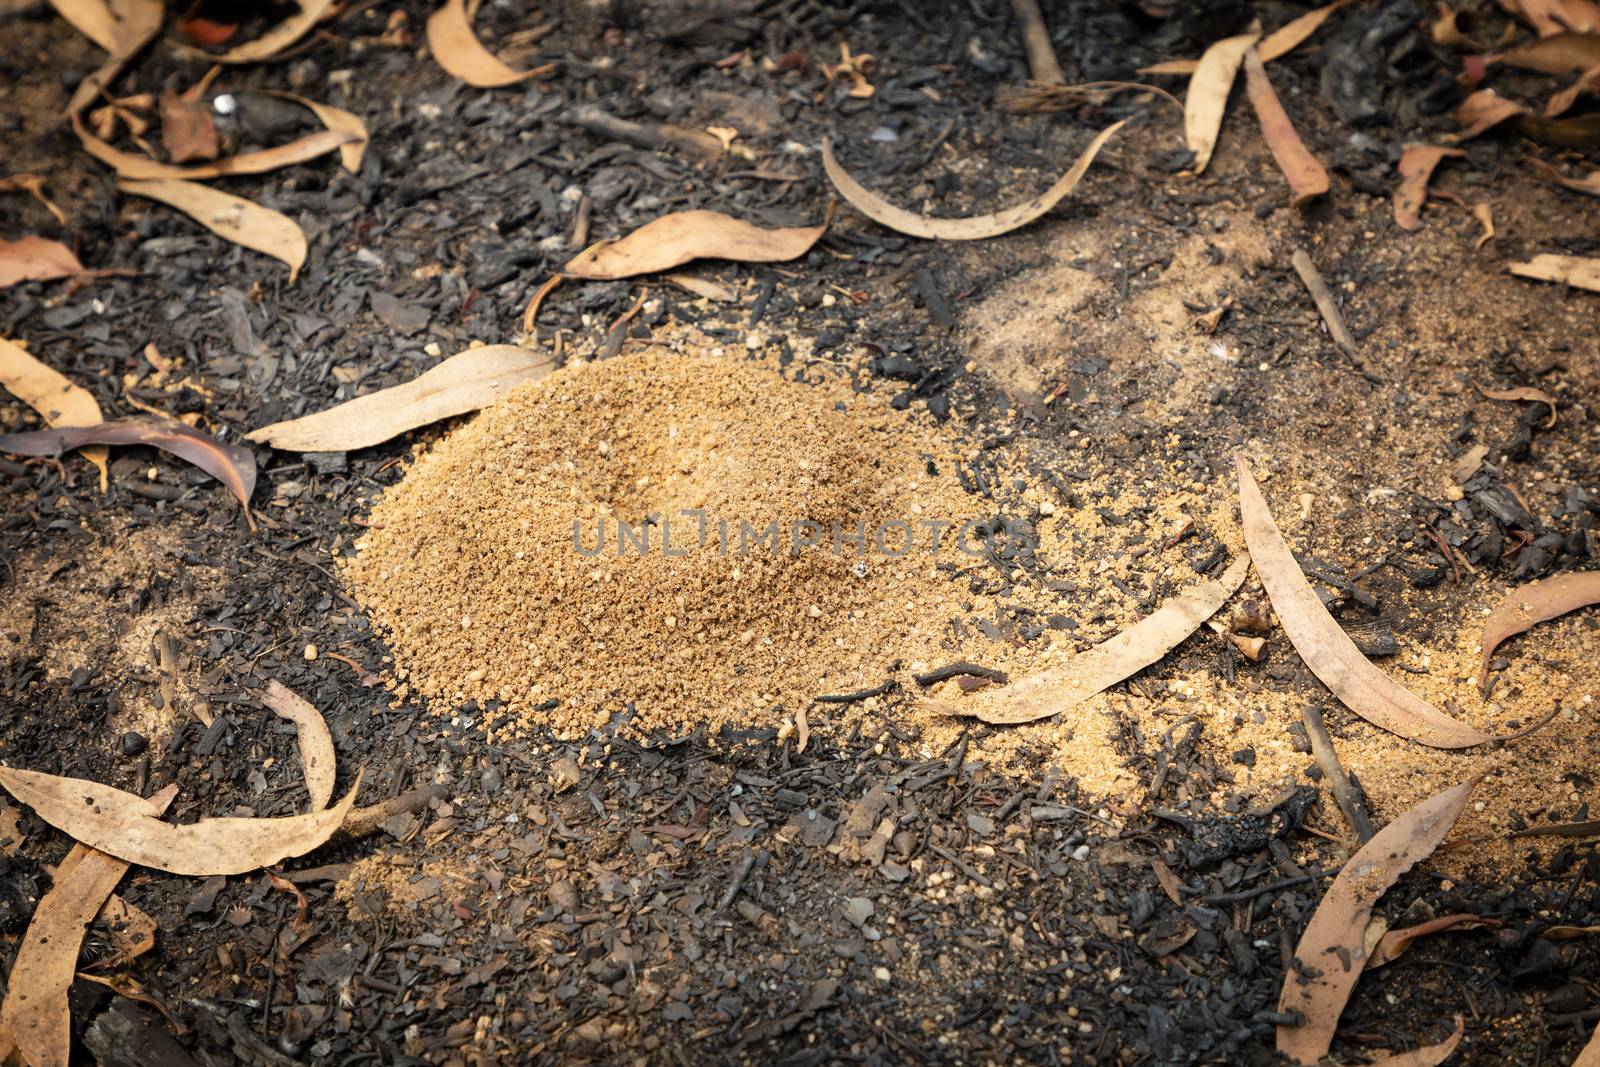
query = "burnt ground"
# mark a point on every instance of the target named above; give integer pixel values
(725, 899)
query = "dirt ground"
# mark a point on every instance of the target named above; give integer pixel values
(905, 889)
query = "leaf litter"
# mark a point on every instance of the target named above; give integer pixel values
(462, 55)
(316, 743)
(57, 400)
(1324, 645)
(1527, 606)
(1054, 691)
(36, 259)
(1580, 272)
(1306, 176)
(232, 465)
(118, 823)
(35, 1020)
(1417, 164)
(684, 236)
(1332, 953)
(1206, 103)
(1275, 45)
(230, 217)
(973, 228)
(462, 383)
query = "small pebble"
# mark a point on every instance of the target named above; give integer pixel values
(311, 652)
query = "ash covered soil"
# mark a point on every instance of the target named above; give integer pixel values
(900, 887)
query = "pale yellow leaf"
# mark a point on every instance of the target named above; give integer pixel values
(230, 217)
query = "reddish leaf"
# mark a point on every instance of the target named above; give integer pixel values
(1534, 603)
(1332, 951)
(205, 32)
(1306, 176)
(232, 465)
(1416, 167)
(187, 131)
(1394, 943)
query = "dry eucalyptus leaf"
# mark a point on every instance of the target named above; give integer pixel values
(457, 49)
(462, 383)
(1590, 1056)
(1483, 110)
(1589, 183)
(1324, 645)
(1331, 952)
(1394, 943)
(128, 165)
(676, 239)
(976, 227)
(230, 217)
(1466, 465)
(278, 38)
(1561, 102)
(35, 1020)
(112, 25)
(1054, 691)
(232, 465)
(116, 822)
(1485, 216)
(704, 287)
(131, 931)
(1522, 392)
(187, 131)
(1562, 53)
(337, 120)
(1206, 102)
(1580, 272)
(36, 259)
(47, 391)
(1536, 602)
(1416, 167)
(316, 743)
(1275, 45)
(1306, 176)
(1428, 1055)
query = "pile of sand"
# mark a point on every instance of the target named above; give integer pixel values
(481, 569)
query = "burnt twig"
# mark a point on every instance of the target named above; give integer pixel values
(1346, 793)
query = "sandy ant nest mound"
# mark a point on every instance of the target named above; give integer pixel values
(663, 541)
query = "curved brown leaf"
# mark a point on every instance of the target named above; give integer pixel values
(1562, 53)
(1590, 1056)
(1428, 1055)
(36, 259)
(128, 165)
(1482, 110)
(337, 120)
(112, 25)
(1561, 102)
(52, 395)
(975, 227)
(462, 383)
(1580, 272)
(232, 465)
(35, 1019)
(1536, 602)
(1307, 178)
(276, 39)
(457, 49)
(682, 236)
(1056, 690)
(1206, 102)
(116, 822)
(1394, 944)
(1416, 167)
(1331, 952)
(1324, 645)
(230, 217)
(1280, 42)
(1589, 183)
(1522, 392)
(316, 743)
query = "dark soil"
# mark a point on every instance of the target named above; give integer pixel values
(724, 899)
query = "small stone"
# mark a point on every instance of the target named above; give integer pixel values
(134, 744)
(564, 775)
(1080, 853)
(310, 652)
